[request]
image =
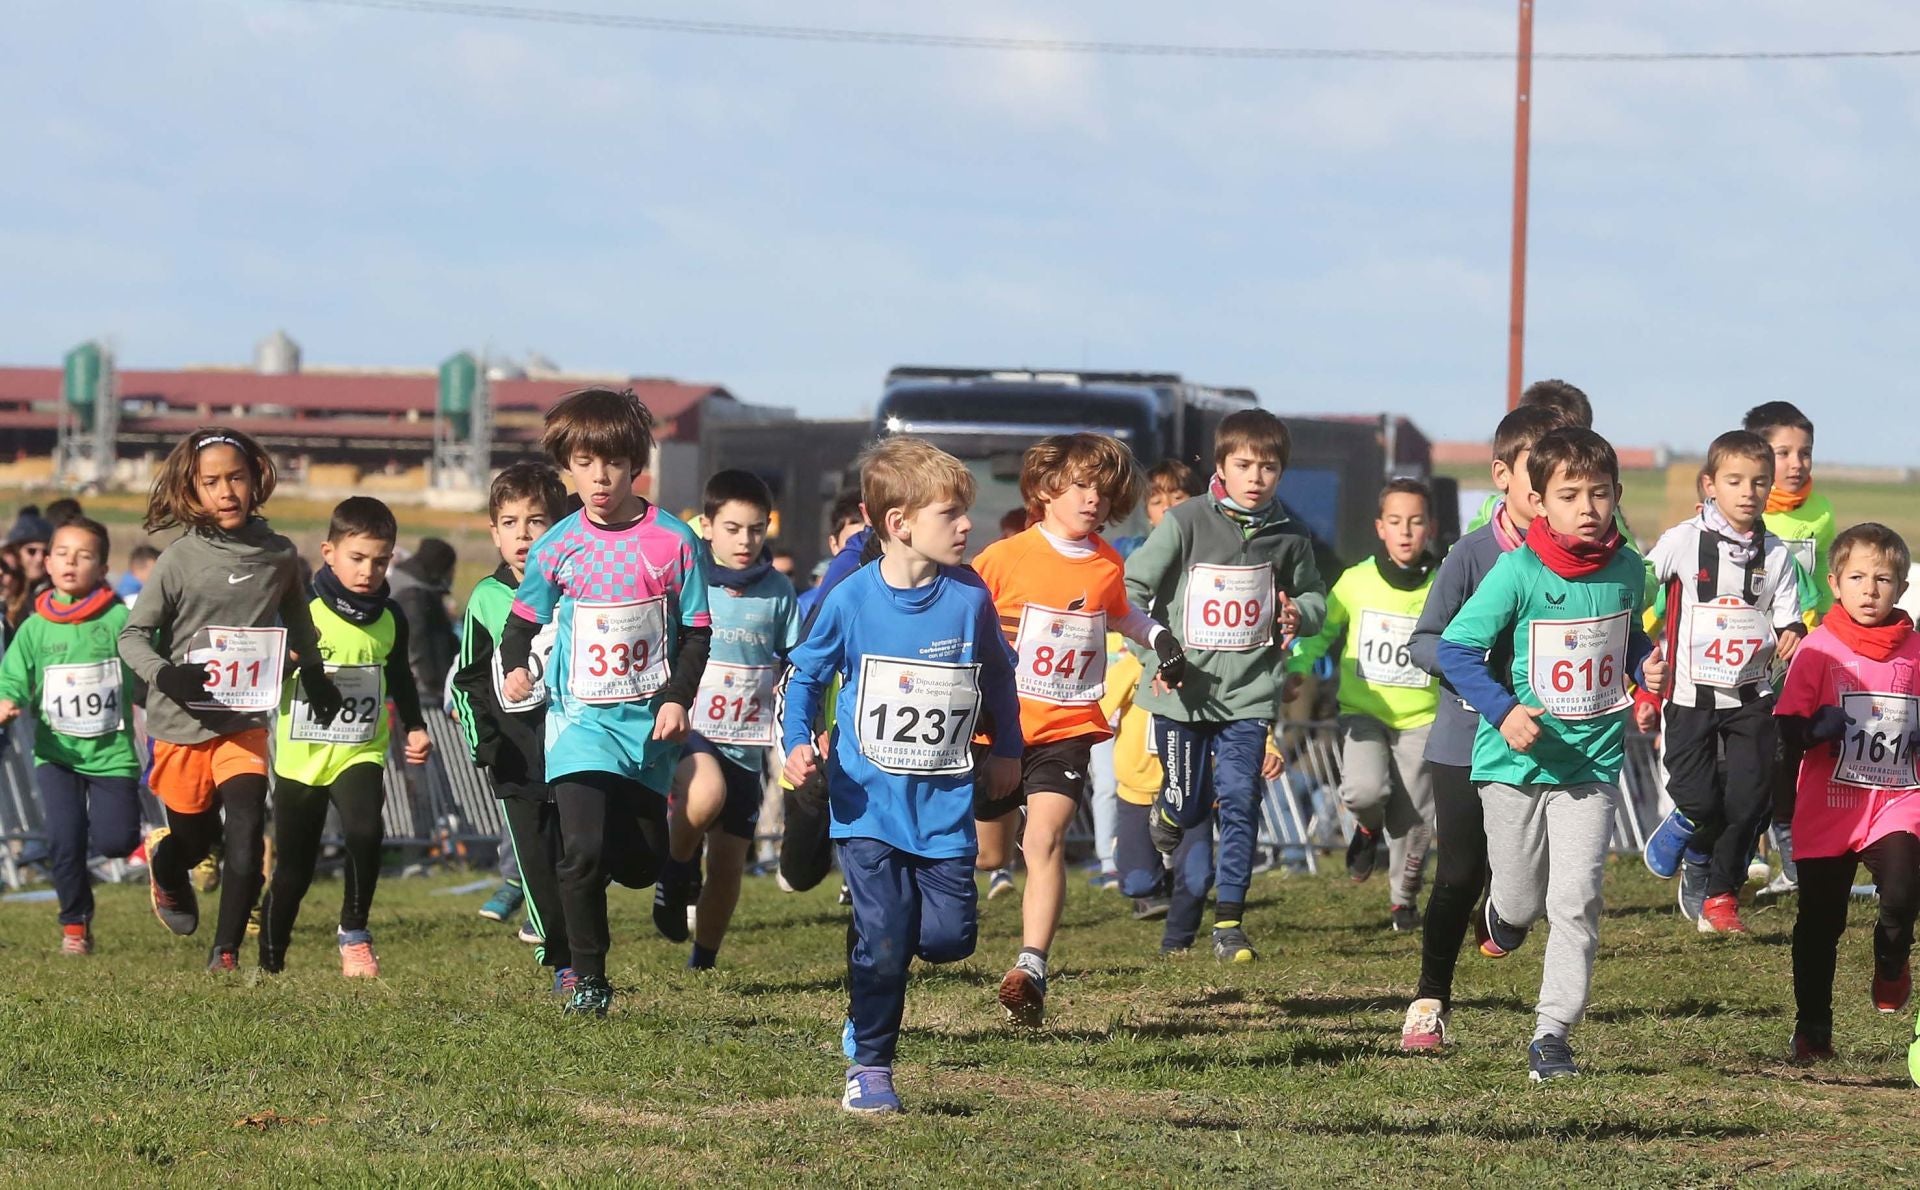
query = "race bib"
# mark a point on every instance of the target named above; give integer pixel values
(917, 716)
(82, 701)
(1386, 651)
(1877, 751)
(243, 668)
(537, 660)
(735, 705)
(1063, 656)
(1807, 554)
(362, 702)
(1729, 644)
(619, 650)
(1577, 668)
(1229, 607)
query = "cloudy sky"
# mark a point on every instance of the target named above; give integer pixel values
(183, 176)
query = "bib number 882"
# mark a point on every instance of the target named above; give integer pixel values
(1230, 613)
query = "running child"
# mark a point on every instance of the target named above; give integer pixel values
(1852, 705)
(1548, 751)
(64, 665)
(721, 778)
(1387, 703)
(916, 645)
(626, 584)
(507, 738)
(210, 637)
(1803, 518)
(1460, 870)
(342, 764)
(1057, 586)
(1733, 605)
(1234, 577)
(1573, 409)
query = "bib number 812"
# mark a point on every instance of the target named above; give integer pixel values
(1231, 613)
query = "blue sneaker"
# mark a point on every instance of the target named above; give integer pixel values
(1104, 880)
(564, 981)
(1692, 892)
(870, 1091)
(999, 881)
(504, 903)
(1549, 1058)
(1666, 843)
(846, 1039)
(1497, 938)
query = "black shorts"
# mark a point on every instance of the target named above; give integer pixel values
(1059, 767)
(745, 790)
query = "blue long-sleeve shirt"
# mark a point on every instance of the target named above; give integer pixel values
(899, 768)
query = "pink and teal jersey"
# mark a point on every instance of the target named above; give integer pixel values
(618, 600)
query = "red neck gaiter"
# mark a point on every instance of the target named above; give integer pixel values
(1875, 644)
(1571, 557)
(78, 612)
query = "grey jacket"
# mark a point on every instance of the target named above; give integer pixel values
(246, 579)
(1451, 740)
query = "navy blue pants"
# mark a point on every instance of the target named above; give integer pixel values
(85, 816)
(1213, 769)
(904, 906)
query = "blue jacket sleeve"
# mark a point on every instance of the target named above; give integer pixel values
(1639, 648)
(1448, 593)
(1464, 669)
(997, 686)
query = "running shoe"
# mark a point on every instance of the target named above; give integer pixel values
(1363, 853)
(1803, 1050)
(1779, 886)
(670, 900)
(1103, 880)
(206, 874)
(564, 981)
(1024, 995)
(845, 897)
(528, 934)
(1665, 844)
(1549, 1058)
(178, 909)
(1231, 944)
(592, 996)
(1497, 938)
(1163, 830)
(870, 1091)
(222, 962)
(1891, 995)
(1691, 892)
(1758, 870)
(76, 939)
(999, 881)
(1150, 908)
(1426, 1027)
(1404, 919)
(504, 902)
(357, 960)
(1721, 915)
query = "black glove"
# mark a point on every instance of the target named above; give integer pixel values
(1828, 723)
(323, 697)
(1173, 659)
(183, 683)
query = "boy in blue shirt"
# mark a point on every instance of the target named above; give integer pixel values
(719, 784)
(917, 646)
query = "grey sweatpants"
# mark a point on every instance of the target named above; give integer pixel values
(1547, 846)
(1384, 782)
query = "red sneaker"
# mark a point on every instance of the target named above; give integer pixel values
(1891, 995)
(1721, 915)
(1805, 1052)
(76, 939)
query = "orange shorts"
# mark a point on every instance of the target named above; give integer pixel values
(185, 775)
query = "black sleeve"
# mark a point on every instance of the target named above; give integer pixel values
(516, 642)
(683, 685)
(400, 687)
(1796, 736)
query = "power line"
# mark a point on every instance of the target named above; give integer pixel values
(1136, 49)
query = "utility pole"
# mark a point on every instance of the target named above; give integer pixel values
(1522, 124)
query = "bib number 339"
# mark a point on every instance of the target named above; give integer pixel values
(1578, 667)
(619, 650)
(917, 716)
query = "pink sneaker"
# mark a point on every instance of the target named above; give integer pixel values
(76, 939)
(1426, 1027)
(357, 960)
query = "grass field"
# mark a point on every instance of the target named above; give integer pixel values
(456, 1068)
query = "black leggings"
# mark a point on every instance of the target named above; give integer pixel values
(611, 828)
(1459, 877)
(533, 831)
(806, 852)
(244, 799)
(1826, 885)
(299, 819)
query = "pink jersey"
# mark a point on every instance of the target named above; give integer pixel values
(1862, 787)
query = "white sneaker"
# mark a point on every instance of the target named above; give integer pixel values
(1426, 1027)
(1758, 871)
